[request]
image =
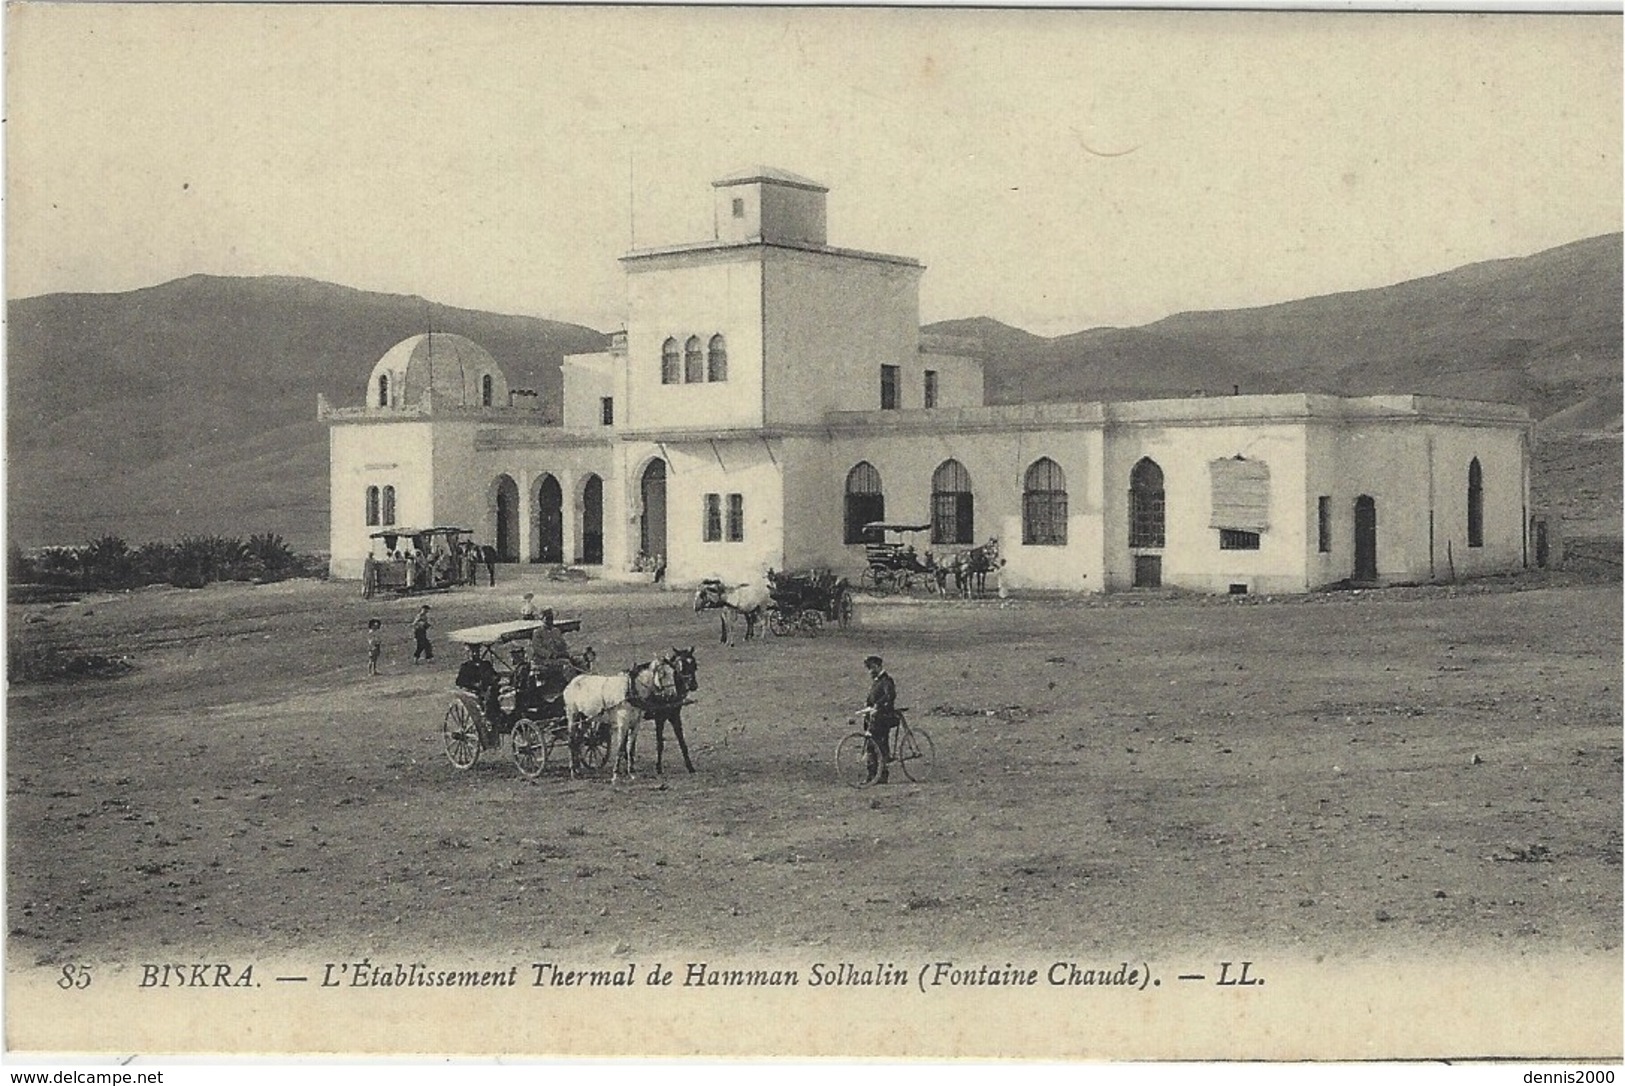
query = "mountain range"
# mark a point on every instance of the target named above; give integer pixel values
(189, 407)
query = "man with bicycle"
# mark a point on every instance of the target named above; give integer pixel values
(881, 709)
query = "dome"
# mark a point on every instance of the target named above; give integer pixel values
(453, 367)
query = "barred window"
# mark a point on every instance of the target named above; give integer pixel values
(713, 518)
(1147, 522)
(736, 518)
(716, 360)
(671, 367)
(953, 507)
(1475, 504)
(1043, 505)
(865, 503)
(693, 362)
(1231, 539)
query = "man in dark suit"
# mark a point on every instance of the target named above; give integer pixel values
(881, 706)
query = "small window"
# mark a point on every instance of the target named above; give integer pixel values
(716, 360)
(693, 362)
(1231, 539)
(671, 365)
(930, 388)
(383, 390)
(372, 507)
(713, 518)
(389, 505)
(888, 388)
(606, 410)
(736, 517)
(1325, 517)
(485, 390)
(739, 208)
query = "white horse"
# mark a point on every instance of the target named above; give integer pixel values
(623, 697)
(748, 600)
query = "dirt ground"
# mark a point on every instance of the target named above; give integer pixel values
(1372, 771)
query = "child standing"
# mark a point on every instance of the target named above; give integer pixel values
(375, 644)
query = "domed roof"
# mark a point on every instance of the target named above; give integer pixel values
(451, 366)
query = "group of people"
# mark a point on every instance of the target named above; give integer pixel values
(420, 634)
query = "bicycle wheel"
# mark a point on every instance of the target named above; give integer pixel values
(912, 749)
(856, 760)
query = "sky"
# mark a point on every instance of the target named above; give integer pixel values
(1056, 170)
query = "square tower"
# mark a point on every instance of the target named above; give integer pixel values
(772, 206)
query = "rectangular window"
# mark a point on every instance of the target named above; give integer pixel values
(713, 518)
(736, 518)
(739, 208)
(1232, 540)
(930, 388)
(888, 388)
(606, 410)
(1325, 515)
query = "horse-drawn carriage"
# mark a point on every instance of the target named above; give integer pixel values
(410, 560)
(892, 563)
(497, 697)
(803, 601)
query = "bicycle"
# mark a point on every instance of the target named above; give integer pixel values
(857, 757)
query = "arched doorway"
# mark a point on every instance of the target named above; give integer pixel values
(1365, 538)
(591, 519)
(505, 513)
(549, 520)
(652, 534)
(1147, 522)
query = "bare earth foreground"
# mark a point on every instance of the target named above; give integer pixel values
(1167, 780)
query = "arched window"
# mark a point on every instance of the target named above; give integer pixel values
(671, 366)
(1147, 511)
(485, 390)
(693, 361)
(1043, 505)
(1475, 504)
(953, 508)
(372, 507)
(865, 503)
(389, 505)
(716, 361)
(383, 390)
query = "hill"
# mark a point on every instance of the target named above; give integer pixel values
(1543, 331)
(191, 406)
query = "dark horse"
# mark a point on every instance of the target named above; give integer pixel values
(970, 568)
(664, 712)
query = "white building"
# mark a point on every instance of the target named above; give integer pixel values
(773, 393)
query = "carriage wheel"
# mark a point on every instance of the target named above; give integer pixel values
(553, 732)
(855, 759)
(914, 752)
(843, 610)
(811, 621)
(777, 624)
(460, 735)
(529, 747)
(593, 747)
